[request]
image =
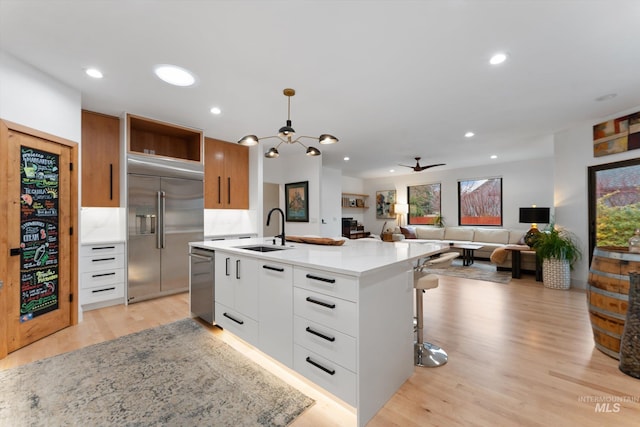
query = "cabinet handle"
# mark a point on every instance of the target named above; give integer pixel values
(103, 259)
(320, 334)
(103, 290)
(322, 303)
(110, 181)
(219, 192)
(229, 190)
(226, 266)
(228, 316)
(103, 274)
(102, 248)
(268, 267)
(322, 279)
(319, 366)
(238, 269)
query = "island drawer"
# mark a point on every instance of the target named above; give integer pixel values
(329, 343)
(336, 313)
(93, 279)
(101, 262)
(332, 377)
(338, 285)
(104, 292)
(102, 249)
(237, 323)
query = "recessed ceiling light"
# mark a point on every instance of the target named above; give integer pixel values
(469, 134)
(346, 158)
(174, 75)
(392, 170)
(606, 97)
(498, 58)
(215, 110)
(94, 72)
(493, 156)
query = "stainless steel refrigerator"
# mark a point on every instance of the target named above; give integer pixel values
(165, 212)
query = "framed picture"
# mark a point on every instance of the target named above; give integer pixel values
(480, 201)
(384, 204)
(297, 201)
(617, 135)
(424, 204)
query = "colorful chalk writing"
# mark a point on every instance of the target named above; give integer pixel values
(39, 176)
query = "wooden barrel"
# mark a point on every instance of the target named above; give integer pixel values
(608, 295)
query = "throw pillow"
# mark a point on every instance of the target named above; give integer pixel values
(408, 232)
(521, 241)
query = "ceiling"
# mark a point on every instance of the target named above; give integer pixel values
(391, 79)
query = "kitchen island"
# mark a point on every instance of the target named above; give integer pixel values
(342, 316)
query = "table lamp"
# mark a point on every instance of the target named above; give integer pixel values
(400, 209)
(533, 215)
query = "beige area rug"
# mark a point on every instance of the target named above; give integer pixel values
(173, 375)
(479, 270)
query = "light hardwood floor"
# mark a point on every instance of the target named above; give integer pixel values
(519, 355)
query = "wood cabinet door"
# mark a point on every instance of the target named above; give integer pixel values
(100, 160)
(226, 176)
(39, 202)
(237, 175)
(214, 158)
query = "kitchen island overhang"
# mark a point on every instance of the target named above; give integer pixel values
(360, 295)
(359, 257)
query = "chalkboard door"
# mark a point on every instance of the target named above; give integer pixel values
(38, 285)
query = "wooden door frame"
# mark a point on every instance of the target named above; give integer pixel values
(5, 127)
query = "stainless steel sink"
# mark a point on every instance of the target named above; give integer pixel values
(262, 248)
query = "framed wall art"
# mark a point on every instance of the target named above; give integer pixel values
(384, 204)
(297, 201)
(617, 135)
(480, 201)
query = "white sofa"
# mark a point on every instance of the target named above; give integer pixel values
(490, 239)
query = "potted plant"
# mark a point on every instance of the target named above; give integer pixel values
(558, 249)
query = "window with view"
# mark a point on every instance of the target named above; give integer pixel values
(614, 203)
(424, 204)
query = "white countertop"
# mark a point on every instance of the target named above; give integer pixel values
(354, 257)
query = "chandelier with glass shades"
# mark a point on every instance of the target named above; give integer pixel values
(286, 135)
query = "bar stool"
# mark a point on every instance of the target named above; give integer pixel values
(427, 354)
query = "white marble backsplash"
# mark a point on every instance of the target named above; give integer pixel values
(229, 222)
(103, 225)
(110, 224)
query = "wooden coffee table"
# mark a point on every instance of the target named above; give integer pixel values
(467, 252)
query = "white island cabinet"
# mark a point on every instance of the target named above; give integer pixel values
(342, 316)
(236, 295)
(275, 310)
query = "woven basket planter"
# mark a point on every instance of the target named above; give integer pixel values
(556, 273)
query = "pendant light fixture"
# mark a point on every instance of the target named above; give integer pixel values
(286, 135)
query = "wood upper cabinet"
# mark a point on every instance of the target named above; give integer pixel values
(226, 175)
(100, 160)
(155, 138)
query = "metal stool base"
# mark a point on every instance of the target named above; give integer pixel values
(428, 355)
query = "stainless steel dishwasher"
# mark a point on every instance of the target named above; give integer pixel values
(202, 283)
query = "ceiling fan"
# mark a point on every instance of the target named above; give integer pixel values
(418, 168)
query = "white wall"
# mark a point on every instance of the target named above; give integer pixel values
(294, 166)
(31, 98)
(330, 201)
(573, 154)
(523, 184)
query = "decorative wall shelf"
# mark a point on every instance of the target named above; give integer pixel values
(353, 200)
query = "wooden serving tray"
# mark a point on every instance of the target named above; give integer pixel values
(316, 240)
